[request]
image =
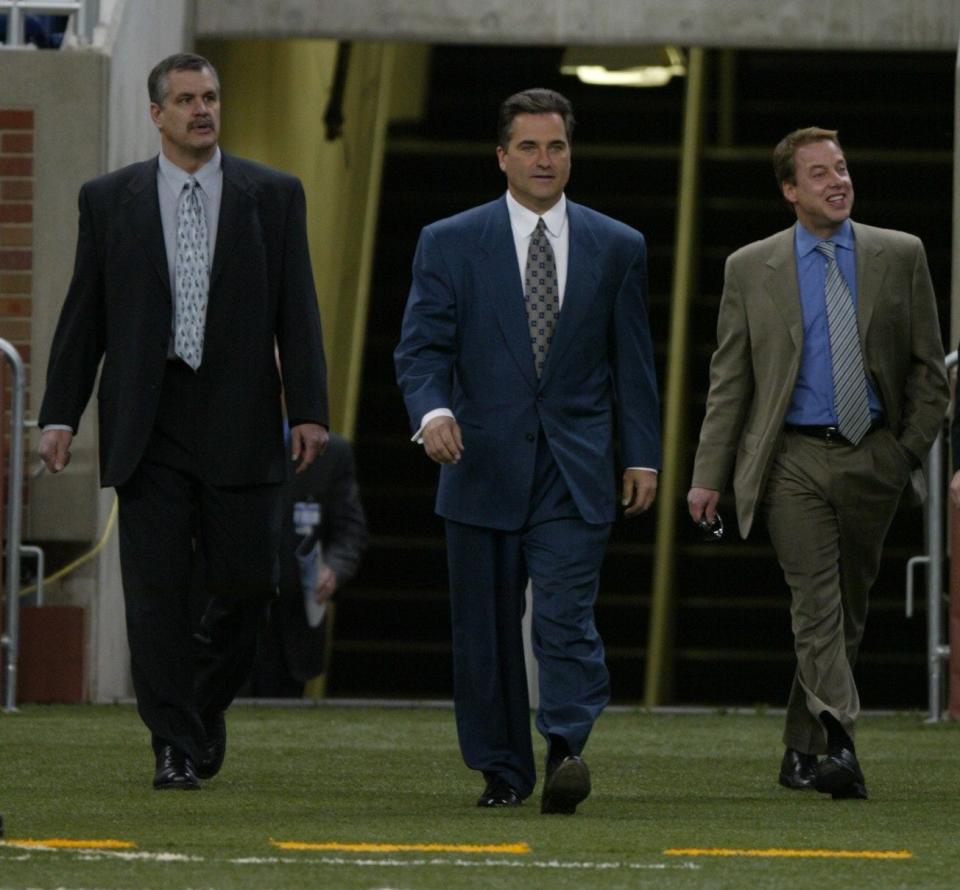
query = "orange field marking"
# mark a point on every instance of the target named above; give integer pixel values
(519, 848)
(799, 854)
(70, 843)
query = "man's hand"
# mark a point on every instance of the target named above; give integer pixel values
(702, 504)
(55, 449)
(442, 440)
(639, 490)
(955, 490)
(307, 442)
(326, 585)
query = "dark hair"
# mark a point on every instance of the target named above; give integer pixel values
(158, 83)
(784, 154)
(533, 101)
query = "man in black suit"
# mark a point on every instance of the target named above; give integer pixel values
(324, 533)
(189, 268)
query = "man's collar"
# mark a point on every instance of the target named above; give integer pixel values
(524, 220)
(806, 242)
(205, 175)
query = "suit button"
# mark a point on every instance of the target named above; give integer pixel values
(530, 437)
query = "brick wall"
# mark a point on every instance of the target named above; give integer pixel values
(16, 243)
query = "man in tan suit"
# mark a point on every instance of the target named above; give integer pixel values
(827, 389)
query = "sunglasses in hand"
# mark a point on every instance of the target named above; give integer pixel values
(711, 532)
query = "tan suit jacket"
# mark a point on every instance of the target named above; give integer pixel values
(760, 338)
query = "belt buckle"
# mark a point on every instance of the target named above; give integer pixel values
(832, 434)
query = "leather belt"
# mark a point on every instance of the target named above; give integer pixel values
(830, 433)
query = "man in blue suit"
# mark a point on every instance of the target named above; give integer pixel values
(525, 341)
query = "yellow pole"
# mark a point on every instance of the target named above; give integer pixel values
(673, 476)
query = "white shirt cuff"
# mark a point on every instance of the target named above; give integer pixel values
(436, 412)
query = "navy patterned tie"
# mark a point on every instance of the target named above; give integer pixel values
(192, 276)
(542, 294)
(849, 376)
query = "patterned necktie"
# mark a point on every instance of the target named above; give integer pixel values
(192, 276)
(849, 376)
(541, 293)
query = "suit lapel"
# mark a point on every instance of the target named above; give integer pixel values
(143, 205)
(501, 275)
(237, 215)
(579, 293)
(871, 270)
(780, 283)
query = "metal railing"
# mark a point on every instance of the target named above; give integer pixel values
(17, 10)
(9, 641)
(938, 651)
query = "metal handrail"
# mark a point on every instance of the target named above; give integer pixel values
(9, 641)
(17, 8)
(937, 651)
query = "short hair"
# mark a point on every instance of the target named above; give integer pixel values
(533, 101)
(784, 155)
(158, 83)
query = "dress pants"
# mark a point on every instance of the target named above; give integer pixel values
(562, 556)
(177, 531)
(828, 506)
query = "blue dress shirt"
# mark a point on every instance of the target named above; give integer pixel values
(812, 401)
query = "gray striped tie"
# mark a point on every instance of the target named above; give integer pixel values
(849, 376)
(192, 276)
(542, 294)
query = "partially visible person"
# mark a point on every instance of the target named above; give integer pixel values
(323, 537)
(827, 389)
(190, 267)
(955, 452)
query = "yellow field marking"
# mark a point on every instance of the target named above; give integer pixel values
(70, 843)
(800, 854)
(519, 848)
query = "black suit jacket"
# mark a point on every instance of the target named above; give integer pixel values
(330, 481)
(119, 308)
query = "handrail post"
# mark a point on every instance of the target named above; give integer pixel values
(935, 577)
(657, 673)
(10, 637)
(937, 650)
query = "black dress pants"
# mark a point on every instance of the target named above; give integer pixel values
(177, 532)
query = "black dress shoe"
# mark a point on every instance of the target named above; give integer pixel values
(499, 793)
(214, 748)
(798, 770)
(839, 775)
(566, 785)
(174, 771)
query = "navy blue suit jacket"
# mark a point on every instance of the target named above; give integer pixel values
(465, 346)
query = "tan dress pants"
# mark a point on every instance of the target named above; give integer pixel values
(828, 506)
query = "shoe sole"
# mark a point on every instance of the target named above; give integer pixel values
(841, 784)
(568, 786)
(177, 786)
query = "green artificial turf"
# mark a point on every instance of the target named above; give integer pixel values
(385, 775)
